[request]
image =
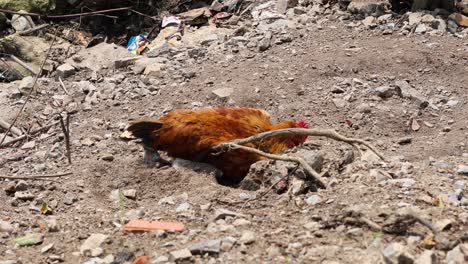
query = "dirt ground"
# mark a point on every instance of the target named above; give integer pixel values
(326, 76)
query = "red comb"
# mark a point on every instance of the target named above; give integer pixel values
(303, 124)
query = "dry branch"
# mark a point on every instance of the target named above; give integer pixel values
(63, 86)
(8, 143)
(238, 144)
(302, 131)
(34, 177)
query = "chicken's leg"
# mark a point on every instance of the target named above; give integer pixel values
(152, 157)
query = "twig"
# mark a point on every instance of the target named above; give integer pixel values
(34, 29)
(69, 15)
(8, 143)
(66, 133)
(373, 225)
(32, 89)
(20, 62)
(307, 168)
(33, 177)
(13, 129)
(63, 86)
(300, 131)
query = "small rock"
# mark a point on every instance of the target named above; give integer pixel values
(30, 239)
(244, 196)
(107, 157)
(452, 26)
(405, 183)
(52, 224)
(369, 22)
(405, 140)
(155, 70)
(25, 85)
(299, 186)
(65, 70)
(21, 22)
(265, 43)
(457, 255)
(462, 169)
(91, 243)
(134, 214)
(223, 213)
(180, 255)
(427, 257)
(211, 247)
(223, 93)
(420, 29)
(183, 207)
(460, 19)
(247, 237)
(313, 200)
(396, 253)
(6, 227)
(459, 185)
(384, 91)
(439, 24)
(25, 196)
(29, 145)
(131, 193)
(47, 248)
(339, 103)
(414, 18)
(227, 243)
(69, 198)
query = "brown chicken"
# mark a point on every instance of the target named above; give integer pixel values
(190, 134)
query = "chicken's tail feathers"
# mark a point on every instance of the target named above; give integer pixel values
(144, 129)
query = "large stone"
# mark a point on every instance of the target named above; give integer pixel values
(155, 70)
(460, 19)
(65, 70)
(396, 253)
(368, 7)
(404, 89)
(22, 22)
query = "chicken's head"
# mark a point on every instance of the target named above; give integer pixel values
(300, 139)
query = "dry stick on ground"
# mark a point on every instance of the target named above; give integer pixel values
(23, 64)
(302, 131)
(32, 30)
(32, 89)
(36, 177)
(66, 133)
(63, 86)
(238, 144)
(28, 135)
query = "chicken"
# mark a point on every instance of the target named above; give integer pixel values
(190, 134)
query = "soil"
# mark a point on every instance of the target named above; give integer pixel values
(291, 81)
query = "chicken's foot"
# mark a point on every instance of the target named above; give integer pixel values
(152, 157)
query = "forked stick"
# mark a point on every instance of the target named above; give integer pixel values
(238, 144)
(302, 131)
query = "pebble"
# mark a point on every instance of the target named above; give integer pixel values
(107, 157)
(69, 198)
(29, 145)
(25, 196)
(462, 169)
(52, 224)
(180, 255)
(6, 227)
(130, 193)
(91, 243)
(228, 243)
(244, 196)
(313, 199)
(427, 257)
(265, 42)
(223, 213)
(457, 255)
(134, 214)
(405, 140)
(241, 222)
(396, 253)
(247, 237)
(206, 247)
(223, 93)
(21, 186)
(183, 207)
